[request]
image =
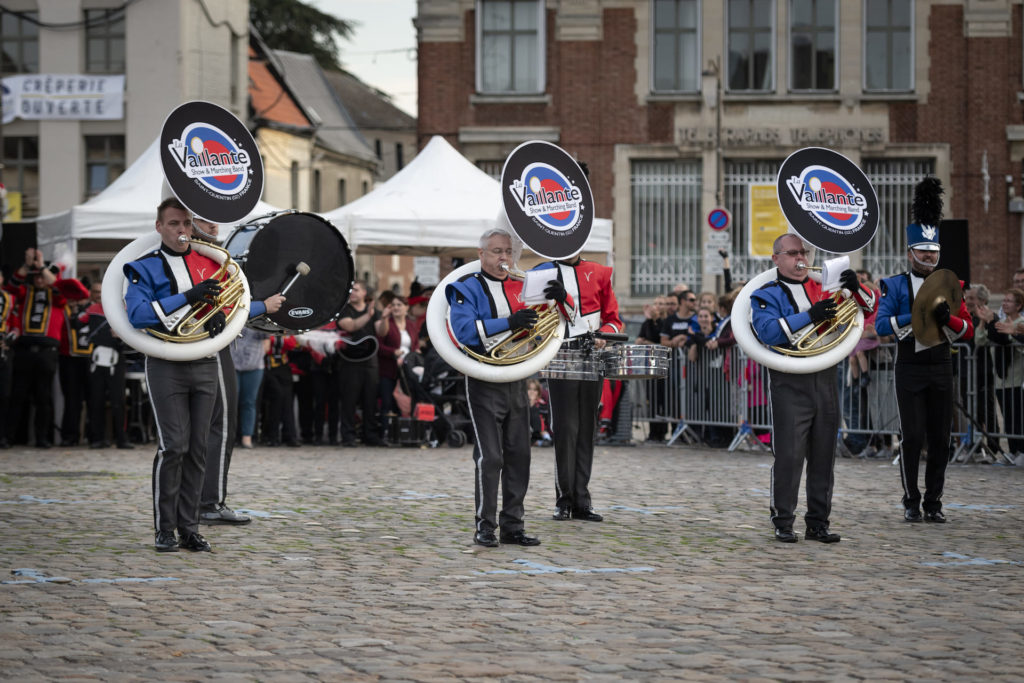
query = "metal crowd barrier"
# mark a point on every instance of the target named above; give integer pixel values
(721, 399)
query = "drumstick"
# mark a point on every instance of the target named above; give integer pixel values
(300, 270)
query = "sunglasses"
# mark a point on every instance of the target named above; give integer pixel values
(793, 253)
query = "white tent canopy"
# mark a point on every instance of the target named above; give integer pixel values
(439, 202)
(126, 209)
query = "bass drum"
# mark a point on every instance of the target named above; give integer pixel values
(271, 247)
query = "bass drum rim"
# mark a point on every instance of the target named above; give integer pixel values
(437, 328)
(265, 322)
(758, 352)
(115, 284)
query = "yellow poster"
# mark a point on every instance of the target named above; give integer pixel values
(765, 219)
(12, 212)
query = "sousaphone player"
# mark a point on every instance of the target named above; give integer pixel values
(926, 316)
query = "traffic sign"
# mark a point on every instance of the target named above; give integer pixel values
(719, 218)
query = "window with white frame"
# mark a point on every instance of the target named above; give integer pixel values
(21, 171)
(888, 45)
(665, 215)
(751, 29)
(19, 35)
(491, 167)
(812, 45)
(510, 46)
(676, 63)
(894, 181)
(104, 41)
(104, 161)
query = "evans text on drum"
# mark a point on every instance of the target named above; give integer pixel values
(269, 250)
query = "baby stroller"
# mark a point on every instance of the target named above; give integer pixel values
(438, 402)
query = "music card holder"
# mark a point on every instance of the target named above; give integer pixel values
(533, 286)
(831, 270)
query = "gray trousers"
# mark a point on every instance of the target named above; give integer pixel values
(805, 422)
(573, 426)
(223, 425)
(182, 396)
(501, 426)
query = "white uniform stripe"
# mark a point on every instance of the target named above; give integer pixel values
(159, 452)
(224, 429)
(477, 458)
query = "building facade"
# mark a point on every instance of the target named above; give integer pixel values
(681, 106)
(169, 52)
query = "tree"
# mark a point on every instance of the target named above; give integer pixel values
(295, 26)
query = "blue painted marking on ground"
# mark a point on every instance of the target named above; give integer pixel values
(538, 568)
(414, 495)
(976, 506)
(32, 500)
(959, 560)
(263, 514)
(644, 511)
(37, 576)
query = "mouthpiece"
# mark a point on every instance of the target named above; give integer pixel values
(183, 238)
(513, 273)
(302, 268)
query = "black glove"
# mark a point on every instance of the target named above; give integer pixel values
(215, 325)
(849, 280)
(207, 290)
(823, 310)
(555, 290)
(522, 319)
(941, 313)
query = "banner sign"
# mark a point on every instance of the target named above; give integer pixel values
(211, 162)
(828, 200)
(547, 199)
(63, 97)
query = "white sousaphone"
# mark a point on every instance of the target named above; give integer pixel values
(187, 130)
(830, 204)
(535, 174)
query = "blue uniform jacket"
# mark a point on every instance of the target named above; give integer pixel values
(775, 316)
(480, 306)
(156, 286)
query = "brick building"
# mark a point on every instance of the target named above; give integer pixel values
(678, 106)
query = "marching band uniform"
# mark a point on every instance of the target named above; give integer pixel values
(8, 323)
(483, 312)
(41, 312)
(924, 382)
(574, 403)
(358, 370)
(106, 378)
(278, 393)
(73, 372)
(182, 393)
(805, 407)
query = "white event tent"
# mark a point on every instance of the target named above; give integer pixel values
(440, 202)
(124, 210)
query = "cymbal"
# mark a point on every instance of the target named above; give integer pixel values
(941, 285)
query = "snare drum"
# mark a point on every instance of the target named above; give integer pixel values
(269, 248)
(636, 361)
(573, 364)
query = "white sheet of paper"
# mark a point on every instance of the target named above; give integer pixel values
(831, 270)
(533, 288)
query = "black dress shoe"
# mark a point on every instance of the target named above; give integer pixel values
(125, 446)
(486, 539)
(821, 533)
(561, 514)
(587, 515)
(44, 444)
(785, 535)
(293, 444)
(912, 515)
(936, 517)
(194, 542)
(166, 542)
(519, 538)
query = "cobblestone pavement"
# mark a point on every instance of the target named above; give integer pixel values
(359, 566)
